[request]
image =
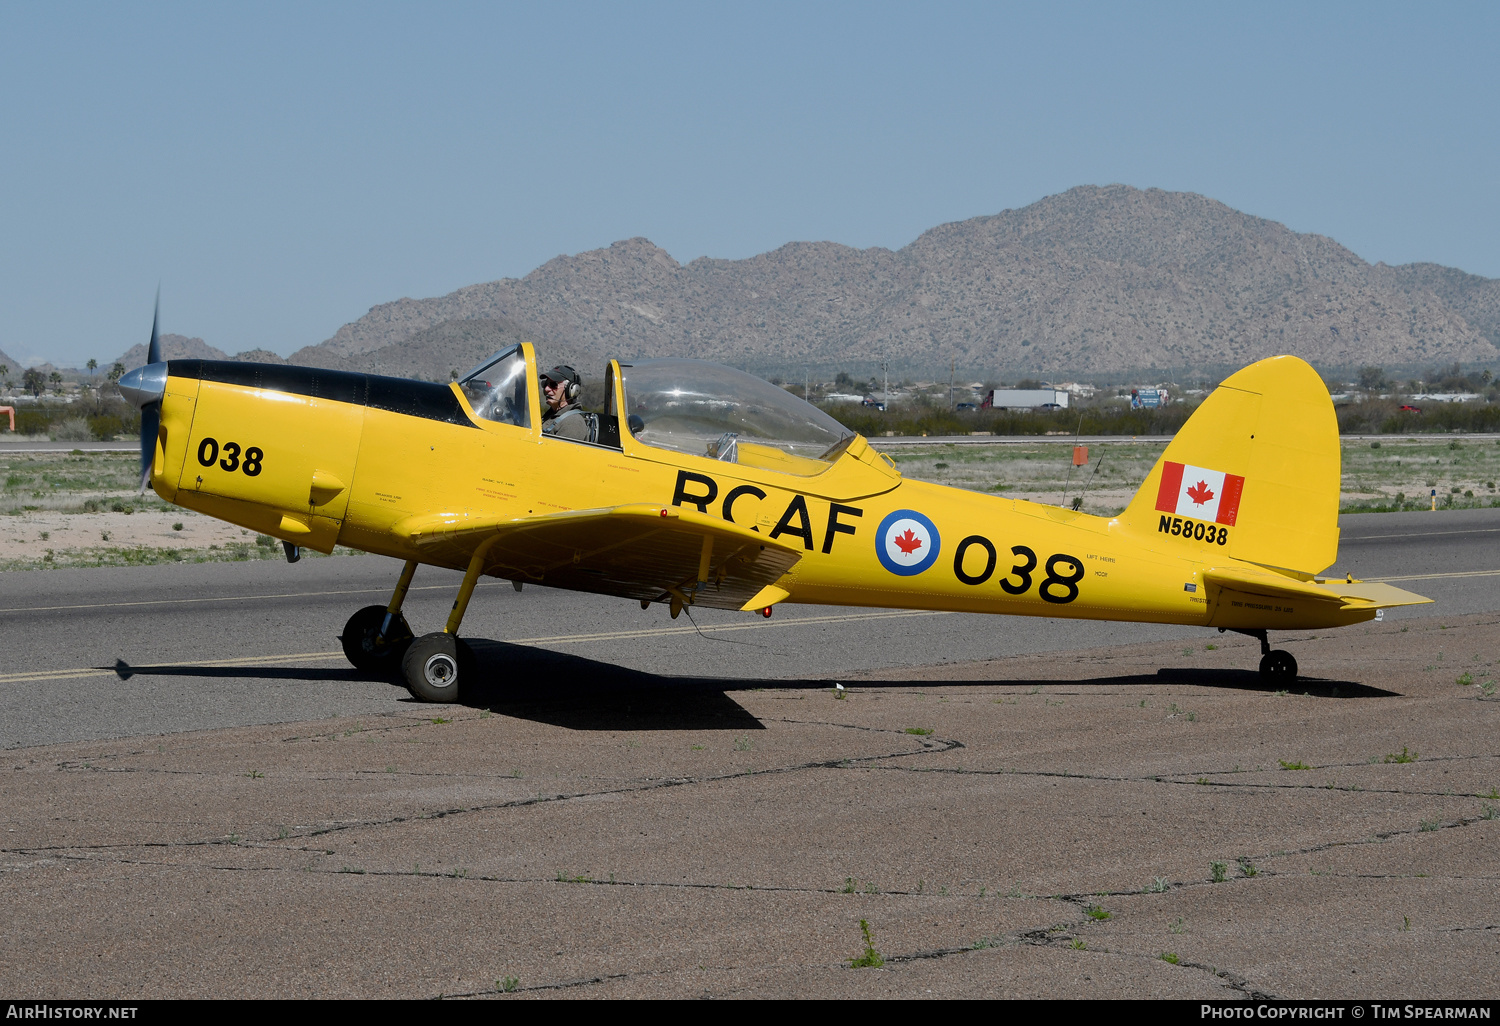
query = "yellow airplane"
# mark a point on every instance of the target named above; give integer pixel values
(706, 486)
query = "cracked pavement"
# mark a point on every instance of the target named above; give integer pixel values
(1034, 825)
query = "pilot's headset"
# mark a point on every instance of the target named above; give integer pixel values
(563, 373)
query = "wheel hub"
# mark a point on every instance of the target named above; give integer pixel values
(440, 670)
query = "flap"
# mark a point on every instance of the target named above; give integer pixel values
(766, 598)
(635, 551)
(1347, 594)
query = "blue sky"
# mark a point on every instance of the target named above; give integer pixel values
(279, 169)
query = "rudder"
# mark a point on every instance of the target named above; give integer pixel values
(1256, 469)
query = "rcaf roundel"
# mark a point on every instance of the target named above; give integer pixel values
(907, 542)
(1200, 493)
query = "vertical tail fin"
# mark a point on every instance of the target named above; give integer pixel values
(1253, 474)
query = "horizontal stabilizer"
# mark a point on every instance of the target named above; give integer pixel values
(1381, 596)
(1272, 586)
(635, 551)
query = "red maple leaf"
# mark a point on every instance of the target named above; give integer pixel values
(908, 542)
(1200, 492)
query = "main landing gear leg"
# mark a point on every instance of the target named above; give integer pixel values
(1277, 664)
(376, 637)
(437, 664)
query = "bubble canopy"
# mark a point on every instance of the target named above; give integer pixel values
(708, 409)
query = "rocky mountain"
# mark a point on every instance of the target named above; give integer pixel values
(10, 365)
(173, 347)
(1476, 299)
(437, 352)
(180, 347)
(258, 356)
(1096, 280)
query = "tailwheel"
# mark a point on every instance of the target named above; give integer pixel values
(436, 665)
(364, 646)
(1278, 664)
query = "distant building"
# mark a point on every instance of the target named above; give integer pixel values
(1079, 389)
(1445, 397)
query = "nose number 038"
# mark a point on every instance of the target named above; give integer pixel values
(208, 455)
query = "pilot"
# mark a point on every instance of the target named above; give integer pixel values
(564, 417)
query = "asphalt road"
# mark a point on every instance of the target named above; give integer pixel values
(122, 652)
(24, 444)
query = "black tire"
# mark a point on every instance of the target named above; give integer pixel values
(1278, 665)
(436, 666)
(363, 646)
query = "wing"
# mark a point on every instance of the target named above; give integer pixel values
(636, 551)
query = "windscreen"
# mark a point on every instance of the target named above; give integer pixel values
(498, 388)
(710, 410)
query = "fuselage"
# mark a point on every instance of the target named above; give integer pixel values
(322, 458)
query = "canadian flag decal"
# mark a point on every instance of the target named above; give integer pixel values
(1200, 493)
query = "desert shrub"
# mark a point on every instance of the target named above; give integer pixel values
(106, 426)
(73, 429)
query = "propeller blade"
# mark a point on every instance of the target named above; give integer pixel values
(153, 351)
(150, 421)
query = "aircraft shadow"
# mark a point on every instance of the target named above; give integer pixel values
(125, 671)
(578, 693)
(584, 694)
(1237, 680)
(548, 687)
(1251, 680)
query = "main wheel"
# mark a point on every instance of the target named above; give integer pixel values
(1278, 665)
(364, 647)
(436, 665)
